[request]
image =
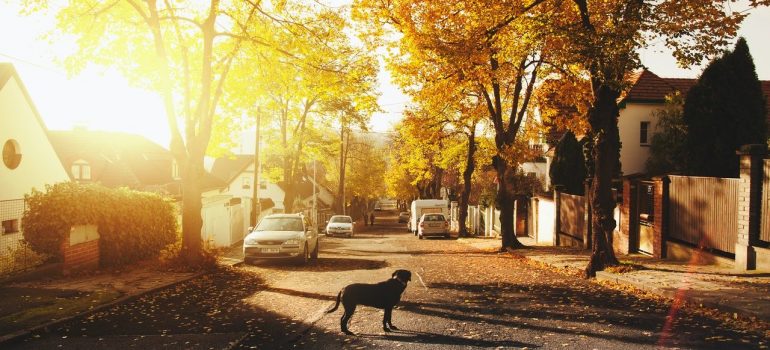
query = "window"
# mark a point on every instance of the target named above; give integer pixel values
(11, 154)
(81, 170)
(175, 169)
(10, 226)
(644, 128)
(246, 183)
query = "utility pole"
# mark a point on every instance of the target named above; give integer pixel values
(256, 207)
(315, 199)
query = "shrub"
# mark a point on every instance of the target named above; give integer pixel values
(569, 165)
(132, 225)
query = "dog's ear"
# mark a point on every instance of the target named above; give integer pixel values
(395, 273)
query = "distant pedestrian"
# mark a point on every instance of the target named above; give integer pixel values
(366, 219)
(371, 219)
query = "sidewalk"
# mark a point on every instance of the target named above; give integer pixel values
(738, 293)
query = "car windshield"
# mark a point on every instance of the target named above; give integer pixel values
(341, 219)
(280, 224)
(434, 217)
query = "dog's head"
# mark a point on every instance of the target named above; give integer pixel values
(403, 275)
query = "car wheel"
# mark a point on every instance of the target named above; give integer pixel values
(305, 257)
(247, 261)
(314, 256)
(446, 236)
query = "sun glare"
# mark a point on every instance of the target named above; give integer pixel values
(93, 100)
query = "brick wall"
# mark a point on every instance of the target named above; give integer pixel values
(79, 257)
(660, 198)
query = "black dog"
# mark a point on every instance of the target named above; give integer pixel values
(384, 295)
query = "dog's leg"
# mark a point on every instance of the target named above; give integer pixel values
(387, 325)
(349, 310)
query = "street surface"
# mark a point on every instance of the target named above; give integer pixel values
(463, 295)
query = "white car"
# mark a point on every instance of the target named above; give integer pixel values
(340, 225)
(433, 225)
(282, 236)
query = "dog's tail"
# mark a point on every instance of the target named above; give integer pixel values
(336, 305)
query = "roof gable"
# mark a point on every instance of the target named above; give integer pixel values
(228, 168)
(647, 87)
(7, 72)
(116, 159)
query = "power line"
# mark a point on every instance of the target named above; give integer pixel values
(38, 65)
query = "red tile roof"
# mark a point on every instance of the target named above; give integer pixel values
(647, 87)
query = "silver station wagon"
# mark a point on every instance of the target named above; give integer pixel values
(282, 236)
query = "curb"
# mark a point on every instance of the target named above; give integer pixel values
(25, 332)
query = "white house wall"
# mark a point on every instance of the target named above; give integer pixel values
(633, 155)
(273, 191)
(39, 163)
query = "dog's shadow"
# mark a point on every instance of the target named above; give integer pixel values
(408, 336)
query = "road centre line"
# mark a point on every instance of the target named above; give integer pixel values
(421, 281)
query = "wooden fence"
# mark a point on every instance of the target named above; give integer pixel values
(572, 216)
(764, 231)
(704, 211)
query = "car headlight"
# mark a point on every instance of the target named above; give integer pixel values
(292, 242)
(250, 241)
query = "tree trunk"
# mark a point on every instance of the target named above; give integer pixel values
(191, 211)
(341, 184)
(470, 166)
(603, 117)
(505, 199)
(256, 207)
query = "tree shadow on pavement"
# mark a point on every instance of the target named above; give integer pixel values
(443, 339)
(324, 264)
(573, 310)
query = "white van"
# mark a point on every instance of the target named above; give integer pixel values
(425, 206)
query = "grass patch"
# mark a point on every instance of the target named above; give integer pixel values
(23, 308)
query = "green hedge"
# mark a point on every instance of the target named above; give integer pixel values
(132, 225)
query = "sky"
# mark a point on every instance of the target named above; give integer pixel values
(106, 102)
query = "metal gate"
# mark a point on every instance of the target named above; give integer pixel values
(764, 231)
(645, 211)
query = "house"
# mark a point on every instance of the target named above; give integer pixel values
(237, 176)
(304, 188)
(637, 120)
(237, 172)
(116, 159)
(29, 160)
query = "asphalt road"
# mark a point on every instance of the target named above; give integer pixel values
(462, 296)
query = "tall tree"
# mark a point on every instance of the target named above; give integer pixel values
(724, 110)
(604, 38)
(496, 47)
(184, 52)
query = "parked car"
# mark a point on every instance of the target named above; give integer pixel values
(403, 217)
(282, 236)
(340, 225)
(434, 224)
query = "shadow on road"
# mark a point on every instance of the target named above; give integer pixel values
(325, 264)
(434, 338)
